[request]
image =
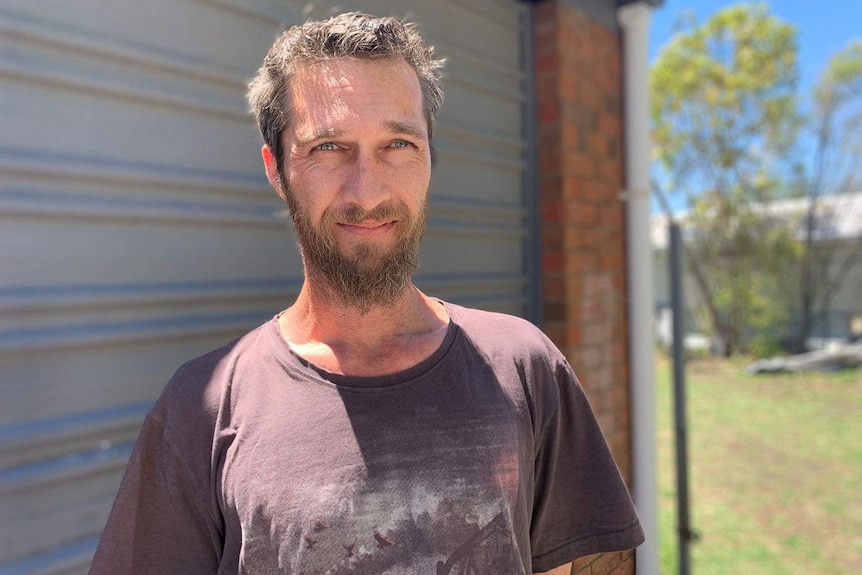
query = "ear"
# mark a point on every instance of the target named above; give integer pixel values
(270, 164)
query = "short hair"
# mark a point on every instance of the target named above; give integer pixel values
(350, 35)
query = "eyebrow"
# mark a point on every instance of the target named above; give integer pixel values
(406, 128)
(321, 135)
(394, 127)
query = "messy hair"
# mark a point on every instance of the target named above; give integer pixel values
(351, 35)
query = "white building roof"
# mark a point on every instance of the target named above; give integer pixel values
(842, 217)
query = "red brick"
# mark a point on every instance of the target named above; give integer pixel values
(571, 137)
(612, 148)
(579, 93)
(603, 379)
(550, 136)
(595, 191)
(581, 213)
(610, 170)
(609, 125)
(580, 261)
(598, 333)
(570, 88)
(572, 188)
(574, 336)
(611, 214)
(548, 62)
(550, 187)
(574, 288)
(553, 211)
(549, 112)
(555, 332)
(552, 236)
(545, 12)
(579, 165)
(585, 238)
(550, 162)
(553, 261)
(546, 87)
(619, 282)
(606, 421)
(596, 307)
(554, 310)
(576, 43)
(598, 283)
(611, 260)
(588, 357)
(553, 289)
(619, 353)
(546, 37)
(590, 95)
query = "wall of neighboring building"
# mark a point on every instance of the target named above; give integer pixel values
(579, 100)
(844, 317)
(836, 325)
(138, 230)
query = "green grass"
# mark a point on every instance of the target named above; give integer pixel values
(775, 470)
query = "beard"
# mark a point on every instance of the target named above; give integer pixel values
(369, 275)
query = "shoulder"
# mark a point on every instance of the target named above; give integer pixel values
(500, 334)
(201, 387)
(520, 355)
(512, 343)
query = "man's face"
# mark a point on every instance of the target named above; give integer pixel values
(357, 169)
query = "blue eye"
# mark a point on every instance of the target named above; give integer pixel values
(400, 144)
(327, 147)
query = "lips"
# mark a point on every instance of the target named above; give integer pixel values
(367, 228)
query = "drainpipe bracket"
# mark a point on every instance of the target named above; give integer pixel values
(626, 195)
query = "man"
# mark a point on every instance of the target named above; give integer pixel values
(368, 428)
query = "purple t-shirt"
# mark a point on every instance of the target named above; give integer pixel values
(485, 455)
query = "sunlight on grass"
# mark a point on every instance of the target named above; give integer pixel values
(775, 466)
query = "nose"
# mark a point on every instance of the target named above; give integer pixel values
(367, 184)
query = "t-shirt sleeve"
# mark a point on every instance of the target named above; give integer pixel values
(160, 522)
(581, 504)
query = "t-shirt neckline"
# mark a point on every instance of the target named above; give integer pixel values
(291, 361)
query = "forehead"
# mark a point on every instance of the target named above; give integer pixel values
(345, 87)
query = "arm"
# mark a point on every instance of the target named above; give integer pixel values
(581, 504)
(159, 522)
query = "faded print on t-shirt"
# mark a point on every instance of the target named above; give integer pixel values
(399, 481)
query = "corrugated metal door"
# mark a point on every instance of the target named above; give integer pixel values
(137, 229)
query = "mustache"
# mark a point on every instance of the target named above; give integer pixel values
(354, 214)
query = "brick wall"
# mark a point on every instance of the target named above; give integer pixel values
(579, 100)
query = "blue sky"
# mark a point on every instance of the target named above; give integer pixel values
(825, 26)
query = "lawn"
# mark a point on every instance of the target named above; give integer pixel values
(775, 470)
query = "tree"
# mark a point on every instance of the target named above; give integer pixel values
(835, 128)
(724, 112)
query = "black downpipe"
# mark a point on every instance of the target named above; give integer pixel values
(533, 249)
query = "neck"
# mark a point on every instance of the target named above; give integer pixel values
(318, 314)
(359, 340)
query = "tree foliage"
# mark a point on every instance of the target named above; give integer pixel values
(724, 112)
(727, 124)
(835, 128)
(723, 99)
